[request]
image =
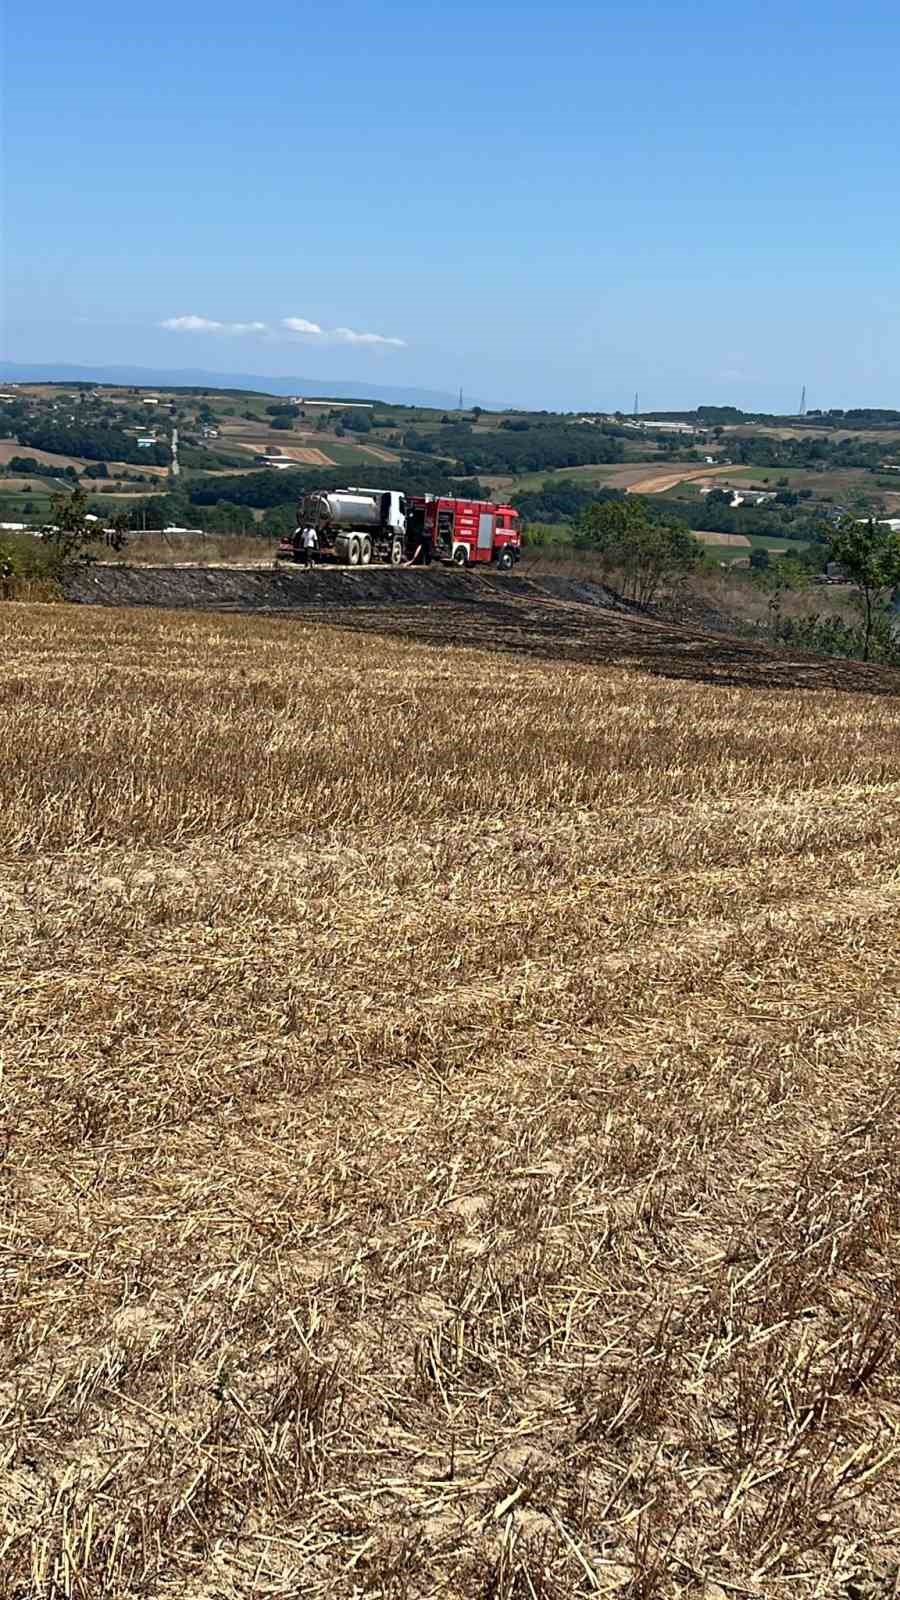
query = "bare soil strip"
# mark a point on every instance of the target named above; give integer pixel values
(736, 540)
(659, 480)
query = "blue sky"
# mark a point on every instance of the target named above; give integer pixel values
(553, 205)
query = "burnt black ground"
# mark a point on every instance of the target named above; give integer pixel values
(562, 619)
(284, 588)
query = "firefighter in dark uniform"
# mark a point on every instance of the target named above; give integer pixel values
(423, 554)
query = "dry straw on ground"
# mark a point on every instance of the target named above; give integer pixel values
(449, 1120)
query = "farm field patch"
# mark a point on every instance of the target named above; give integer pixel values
(449, 1135)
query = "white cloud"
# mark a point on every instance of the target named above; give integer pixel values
(300, 325)
(336, 335)
(208, 325)
(348, 336)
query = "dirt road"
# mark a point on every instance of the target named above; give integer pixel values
(662, 478)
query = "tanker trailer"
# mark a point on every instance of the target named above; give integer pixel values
(352, 525)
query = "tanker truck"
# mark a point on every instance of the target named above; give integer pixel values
(352, 525)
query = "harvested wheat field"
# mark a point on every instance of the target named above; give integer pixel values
(736, 540)
(449, 1121)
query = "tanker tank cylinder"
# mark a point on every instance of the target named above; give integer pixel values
(348, 510)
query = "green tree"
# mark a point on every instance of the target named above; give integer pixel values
(776, 579)
(356, 421)
(717, 497)
(643, 554)
(869, 553)
(70, 532)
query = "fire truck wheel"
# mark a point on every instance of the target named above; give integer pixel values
(396, 552)
(504, 560)
(460, 556)
(365, 551)
(353, 552)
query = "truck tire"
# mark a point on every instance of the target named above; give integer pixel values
(504, 560)
(353, 552)
(396, 552)
(460, 556)
(365, 551)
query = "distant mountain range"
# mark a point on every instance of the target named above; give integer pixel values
(195, 377)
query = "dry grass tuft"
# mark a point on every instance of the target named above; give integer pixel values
(449, 1138)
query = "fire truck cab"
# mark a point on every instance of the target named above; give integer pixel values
(465, 531)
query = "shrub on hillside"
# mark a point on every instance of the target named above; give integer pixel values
(27, 570)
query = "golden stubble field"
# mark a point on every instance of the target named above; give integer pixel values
(449, 1119)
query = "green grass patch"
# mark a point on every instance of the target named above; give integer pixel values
(599, 473)
(345, 454)
(727, 554)
(765, 541)
(837, 483)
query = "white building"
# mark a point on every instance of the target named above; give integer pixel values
(337, 405)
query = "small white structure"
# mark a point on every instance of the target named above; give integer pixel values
(338, 405)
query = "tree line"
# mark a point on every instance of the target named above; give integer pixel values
(223, 504)
(529, 449)
(835, 417)
(765, 450)
(269, 488)
(562, 502)
(94, 443)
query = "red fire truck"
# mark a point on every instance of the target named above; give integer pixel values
(464, 531)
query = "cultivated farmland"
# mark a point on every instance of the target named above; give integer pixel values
(449, 1121)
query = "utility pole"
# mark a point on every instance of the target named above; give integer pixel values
(174, 469)
(803, 402)
(460, 406)
(635, 402)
